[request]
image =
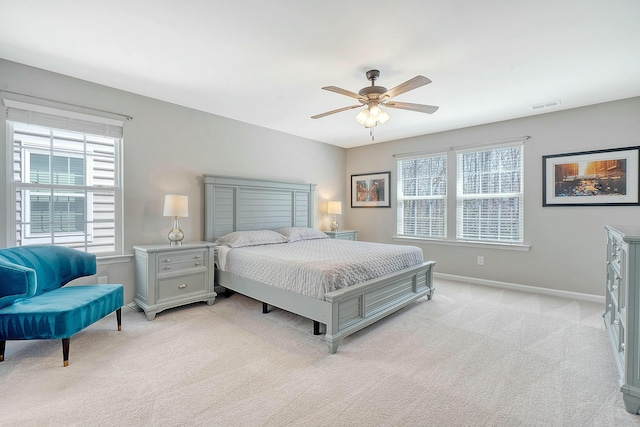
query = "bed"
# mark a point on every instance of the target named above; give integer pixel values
(235, 204)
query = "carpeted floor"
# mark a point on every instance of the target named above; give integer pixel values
(473, 356)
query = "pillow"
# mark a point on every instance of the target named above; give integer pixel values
(301, 233)
(239, 239)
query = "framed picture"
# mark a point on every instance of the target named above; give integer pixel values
(591, 178)
(371, 190)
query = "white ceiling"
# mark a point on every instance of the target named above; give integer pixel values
(265, 62)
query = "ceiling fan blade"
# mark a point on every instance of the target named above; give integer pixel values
(421, 108)
(339, 110)
(411, 84)
(345, 92)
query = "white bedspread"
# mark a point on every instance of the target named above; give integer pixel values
(315, 267)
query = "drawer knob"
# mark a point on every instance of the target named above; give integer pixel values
(197, 256)
(622, 346)
(618, 277)
(615, 287)
(168, 267)
(167, 260)
(616, 322)
(184, 285)
(609, 306)
(198, 263)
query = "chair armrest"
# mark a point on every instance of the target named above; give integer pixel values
(54, 266)
(16, 281)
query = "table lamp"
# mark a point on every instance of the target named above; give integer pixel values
(177, 206)
(334, 208)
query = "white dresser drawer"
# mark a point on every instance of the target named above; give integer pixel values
(622, 308)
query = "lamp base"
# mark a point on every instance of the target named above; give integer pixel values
(175, 235)
(334, 225)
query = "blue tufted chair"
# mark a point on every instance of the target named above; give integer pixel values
(35, 305)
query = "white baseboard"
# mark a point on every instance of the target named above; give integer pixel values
(523, 288)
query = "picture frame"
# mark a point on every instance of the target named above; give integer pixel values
(371, 190)
(606, 177)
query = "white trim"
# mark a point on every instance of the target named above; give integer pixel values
(63, 113)
(464, 243)
(37, 102)
(523, 288)
(516, 140)
(114, 259)
(511, 142)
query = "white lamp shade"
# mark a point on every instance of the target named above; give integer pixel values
(176, 205)
(383, 117)
(362, 116)
(335, 208)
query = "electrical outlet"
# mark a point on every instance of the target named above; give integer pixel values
(480, 260)
(102, 280)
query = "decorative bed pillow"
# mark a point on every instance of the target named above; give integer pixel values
(301, 233)
(238, 239)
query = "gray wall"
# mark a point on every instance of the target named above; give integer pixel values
(567, 243)
(167, 148)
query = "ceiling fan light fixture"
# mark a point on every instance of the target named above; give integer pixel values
(373, 97)
(383, 117)
(371, 123)
(362, 116)
(374, 110)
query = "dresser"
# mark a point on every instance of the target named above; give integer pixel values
(171, 276)
(622, 308)
(343, 234)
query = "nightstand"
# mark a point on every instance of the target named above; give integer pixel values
(171, 276)
(343, 234)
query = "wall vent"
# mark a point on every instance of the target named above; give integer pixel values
(545, 105)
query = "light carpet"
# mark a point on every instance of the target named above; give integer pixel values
(472, 356)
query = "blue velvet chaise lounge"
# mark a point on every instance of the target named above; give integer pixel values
(35, 305)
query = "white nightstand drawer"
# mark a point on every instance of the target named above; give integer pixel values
(343, 234)
(177, 261)
(181, 286)
(170, 276)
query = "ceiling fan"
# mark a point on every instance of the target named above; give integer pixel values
(373, 97)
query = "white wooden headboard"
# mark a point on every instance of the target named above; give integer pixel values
(238, 204)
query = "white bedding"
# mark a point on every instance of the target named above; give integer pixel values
(315, 267)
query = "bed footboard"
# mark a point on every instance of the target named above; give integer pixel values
(358, 306)
(347, 310)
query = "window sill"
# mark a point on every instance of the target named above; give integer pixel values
(114, 259)
(465, 243)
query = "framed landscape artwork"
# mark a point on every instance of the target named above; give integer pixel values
(592, 178)
(371, 190)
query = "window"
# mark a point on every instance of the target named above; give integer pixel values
(422, 196)
(490, 195)
(65, 188)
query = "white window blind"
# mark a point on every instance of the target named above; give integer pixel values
(66, 186)
(489, 205)
(422, 196)
(24, 112)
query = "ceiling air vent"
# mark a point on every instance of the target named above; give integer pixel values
(545, 105)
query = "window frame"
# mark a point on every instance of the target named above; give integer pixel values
(452, 196)
(89, 189)
(460, 197)
(400, 197)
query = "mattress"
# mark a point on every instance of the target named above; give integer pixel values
(316, 267)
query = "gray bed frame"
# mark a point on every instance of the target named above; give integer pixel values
(237, 204)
